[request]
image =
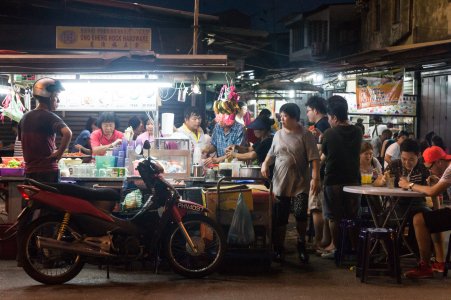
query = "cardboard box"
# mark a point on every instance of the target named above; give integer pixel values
(228, 197)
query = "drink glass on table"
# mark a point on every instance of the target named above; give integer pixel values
(367, 178)
(391, 182)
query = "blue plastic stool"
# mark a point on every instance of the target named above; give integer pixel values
(345, 226)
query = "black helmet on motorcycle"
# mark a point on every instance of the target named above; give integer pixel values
(45, 88)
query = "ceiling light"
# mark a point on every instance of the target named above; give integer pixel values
(195, 88)
(318, 78)
(435, 65)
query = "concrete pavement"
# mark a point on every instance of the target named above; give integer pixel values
(319, 280)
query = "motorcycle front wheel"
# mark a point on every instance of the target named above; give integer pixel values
(48, 265)
(209, 242)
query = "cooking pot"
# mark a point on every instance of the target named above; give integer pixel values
(251, 171)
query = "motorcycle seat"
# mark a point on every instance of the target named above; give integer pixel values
(74, 190)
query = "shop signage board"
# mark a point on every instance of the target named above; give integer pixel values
(112, 96)
(103, 38)
(378, 91)
(406, 106)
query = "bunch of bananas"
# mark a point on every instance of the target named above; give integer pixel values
(225, 107)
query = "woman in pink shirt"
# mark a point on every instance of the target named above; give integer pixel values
(106, 136)
(146, 135)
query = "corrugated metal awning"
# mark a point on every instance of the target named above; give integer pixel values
(111, 62)
(412, 56)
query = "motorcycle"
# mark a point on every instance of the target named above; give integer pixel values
(77, 226)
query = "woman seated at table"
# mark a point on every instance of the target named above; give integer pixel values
(262, 130)
(106, 136)
(370, 168)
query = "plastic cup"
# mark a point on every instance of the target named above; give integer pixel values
(391, 182)
(366, 178)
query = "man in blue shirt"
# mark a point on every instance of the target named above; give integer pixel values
(225, 133)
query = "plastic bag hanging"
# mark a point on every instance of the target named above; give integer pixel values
(12, 107)
(27, 99)
(182, 91)
(241, 230)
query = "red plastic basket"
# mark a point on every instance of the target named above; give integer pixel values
(12, 172)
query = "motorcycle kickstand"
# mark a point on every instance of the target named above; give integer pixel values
(108, 271)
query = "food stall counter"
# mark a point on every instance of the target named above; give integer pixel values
(96, 182)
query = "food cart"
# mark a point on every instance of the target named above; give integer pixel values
(222, 201)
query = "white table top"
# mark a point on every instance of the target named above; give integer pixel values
(381, 191)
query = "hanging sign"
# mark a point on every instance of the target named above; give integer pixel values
(375, 91)
(405, 107)
(114, 96)
(103, 38)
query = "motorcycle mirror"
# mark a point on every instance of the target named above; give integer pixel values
(146, 145)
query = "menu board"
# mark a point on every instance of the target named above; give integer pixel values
(406, 106)
(112, 96)
(378, 91)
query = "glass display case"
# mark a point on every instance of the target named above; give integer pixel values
(174, 155)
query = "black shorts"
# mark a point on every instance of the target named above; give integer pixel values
(438, 220)
(283, 205)
(339, 205)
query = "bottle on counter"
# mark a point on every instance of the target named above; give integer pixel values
(210, 175)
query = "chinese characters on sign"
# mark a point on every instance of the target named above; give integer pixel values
(373, 91)
(103, 38)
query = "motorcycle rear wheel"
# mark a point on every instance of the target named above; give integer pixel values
(48, 266)
(209, 240)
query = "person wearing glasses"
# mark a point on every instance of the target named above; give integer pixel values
(432, 223)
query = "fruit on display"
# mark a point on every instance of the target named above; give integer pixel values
(13, 164)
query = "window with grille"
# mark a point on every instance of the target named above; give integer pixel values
(297, 37)
(317, 37)
(317, 32)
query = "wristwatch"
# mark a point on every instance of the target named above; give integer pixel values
(411, 186)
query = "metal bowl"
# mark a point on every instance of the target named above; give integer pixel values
(251, 171)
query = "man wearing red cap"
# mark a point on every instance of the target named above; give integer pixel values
(425, 223)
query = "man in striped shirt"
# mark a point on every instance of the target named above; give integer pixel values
(410, 167)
